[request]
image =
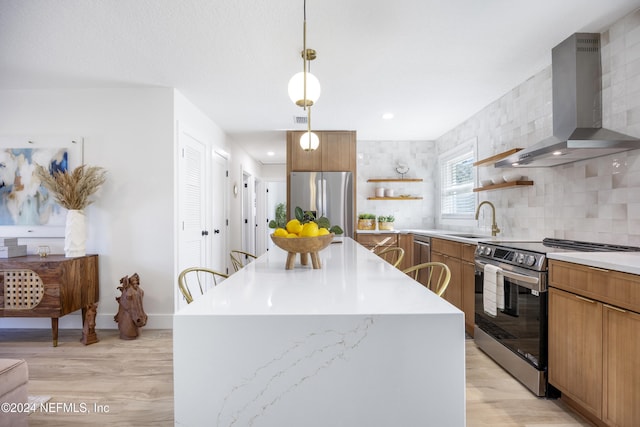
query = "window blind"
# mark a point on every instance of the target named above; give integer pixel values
(457, 197)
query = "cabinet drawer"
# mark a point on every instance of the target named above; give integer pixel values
(378, 239)
(469, 252)
(447, 247)
(609, 286)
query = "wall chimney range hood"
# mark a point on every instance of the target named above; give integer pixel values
(577, 110)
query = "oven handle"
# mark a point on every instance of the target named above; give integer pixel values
(529, 282)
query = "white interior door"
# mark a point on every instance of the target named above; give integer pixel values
(218, 234)
(192, 202)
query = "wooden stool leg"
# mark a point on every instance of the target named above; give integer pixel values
(315, 260)
(291, 260)
(54, 330)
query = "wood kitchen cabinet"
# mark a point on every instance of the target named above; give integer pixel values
(575, 348)
(468, 286)
(377, 241)
(380, 241)
(405, 241)
(336, 152)
(459, 257)
(594, 347)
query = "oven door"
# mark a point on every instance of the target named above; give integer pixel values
(521, 325)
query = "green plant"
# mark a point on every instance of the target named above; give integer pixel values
(281, 217)
(323, 221)
(388, 218)
(366, 216)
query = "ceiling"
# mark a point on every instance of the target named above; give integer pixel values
(431, 63)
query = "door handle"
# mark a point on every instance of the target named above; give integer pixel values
(216, 231)
(205, 233)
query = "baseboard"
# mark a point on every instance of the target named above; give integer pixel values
(74, 321)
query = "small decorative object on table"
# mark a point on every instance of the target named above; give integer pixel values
(44, 251)
(72, 190)
(131, 315)
(366, 221)
(9, 248)
(305, 235)
(386, 222)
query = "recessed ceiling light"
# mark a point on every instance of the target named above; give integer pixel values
(557, 153)
(387, 116)
(270, 153)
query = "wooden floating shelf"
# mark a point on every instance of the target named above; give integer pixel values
(394, 198)
(395, 180)
(503, 185)
(491, 160)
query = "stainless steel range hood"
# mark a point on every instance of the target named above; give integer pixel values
(577, 110)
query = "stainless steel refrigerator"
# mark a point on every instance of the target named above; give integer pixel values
(328, 194)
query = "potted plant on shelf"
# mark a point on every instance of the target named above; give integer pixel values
(386, 222)
(366, 221)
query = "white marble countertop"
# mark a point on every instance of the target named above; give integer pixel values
(352, 280)
(356, 342)
(627, 262)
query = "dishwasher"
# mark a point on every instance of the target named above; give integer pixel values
(421, 249)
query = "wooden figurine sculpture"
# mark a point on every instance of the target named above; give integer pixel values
(131, 315)
(89, 325)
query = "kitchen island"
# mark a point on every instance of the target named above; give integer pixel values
(356, 343)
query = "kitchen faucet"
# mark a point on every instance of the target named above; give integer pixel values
(494, 227)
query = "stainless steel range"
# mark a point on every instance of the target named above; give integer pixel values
(514, 331)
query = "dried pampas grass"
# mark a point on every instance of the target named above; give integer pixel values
(72, 189)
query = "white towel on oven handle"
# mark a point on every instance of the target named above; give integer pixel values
(493, 290)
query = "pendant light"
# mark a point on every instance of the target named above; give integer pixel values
(304, 88)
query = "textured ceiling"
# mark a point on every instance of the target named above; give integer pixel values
(432, 63)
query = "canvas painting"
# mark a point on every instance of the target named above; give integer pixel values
(23, 201)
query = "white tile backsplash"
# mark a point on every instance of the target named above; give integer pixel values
(593, 200)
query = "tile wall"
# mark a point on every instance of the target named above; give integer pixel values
(378, 159)
(593, 200)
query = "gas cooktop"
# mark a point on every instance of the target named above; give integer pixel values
(551, 245)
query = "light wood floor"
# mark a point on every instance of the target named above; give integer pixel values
(134, 381)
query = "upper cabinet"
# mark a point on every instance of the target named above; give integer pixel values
(337, 152)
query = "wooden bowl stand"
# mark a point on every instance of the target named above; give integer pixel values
(304, 260)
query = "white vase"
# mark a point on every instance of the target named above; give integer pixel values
(75, 234)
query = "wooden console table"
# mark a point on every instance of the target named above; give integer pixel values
(56, 286)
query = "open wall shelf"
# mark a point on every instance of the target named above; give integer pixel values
(503, 185)
(489, 161)
(394, 180)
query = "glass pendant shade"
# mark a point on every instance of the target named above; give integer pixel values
(296, 89)
(309, 141)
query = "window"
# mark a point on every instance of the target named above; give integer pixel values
(457, 199)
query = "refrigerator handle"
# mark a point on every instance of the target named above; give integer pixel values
(319, 197)
(324, 198)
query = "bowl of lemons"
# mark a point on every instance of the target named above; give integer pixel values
(305, 236)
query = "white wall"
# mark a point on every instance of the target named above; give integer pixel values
(129, 132)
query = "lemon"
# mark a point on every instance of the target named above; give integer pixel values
(294, 226)
(323, 232)
(291, 236)
(310, 229)
(280, 232)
